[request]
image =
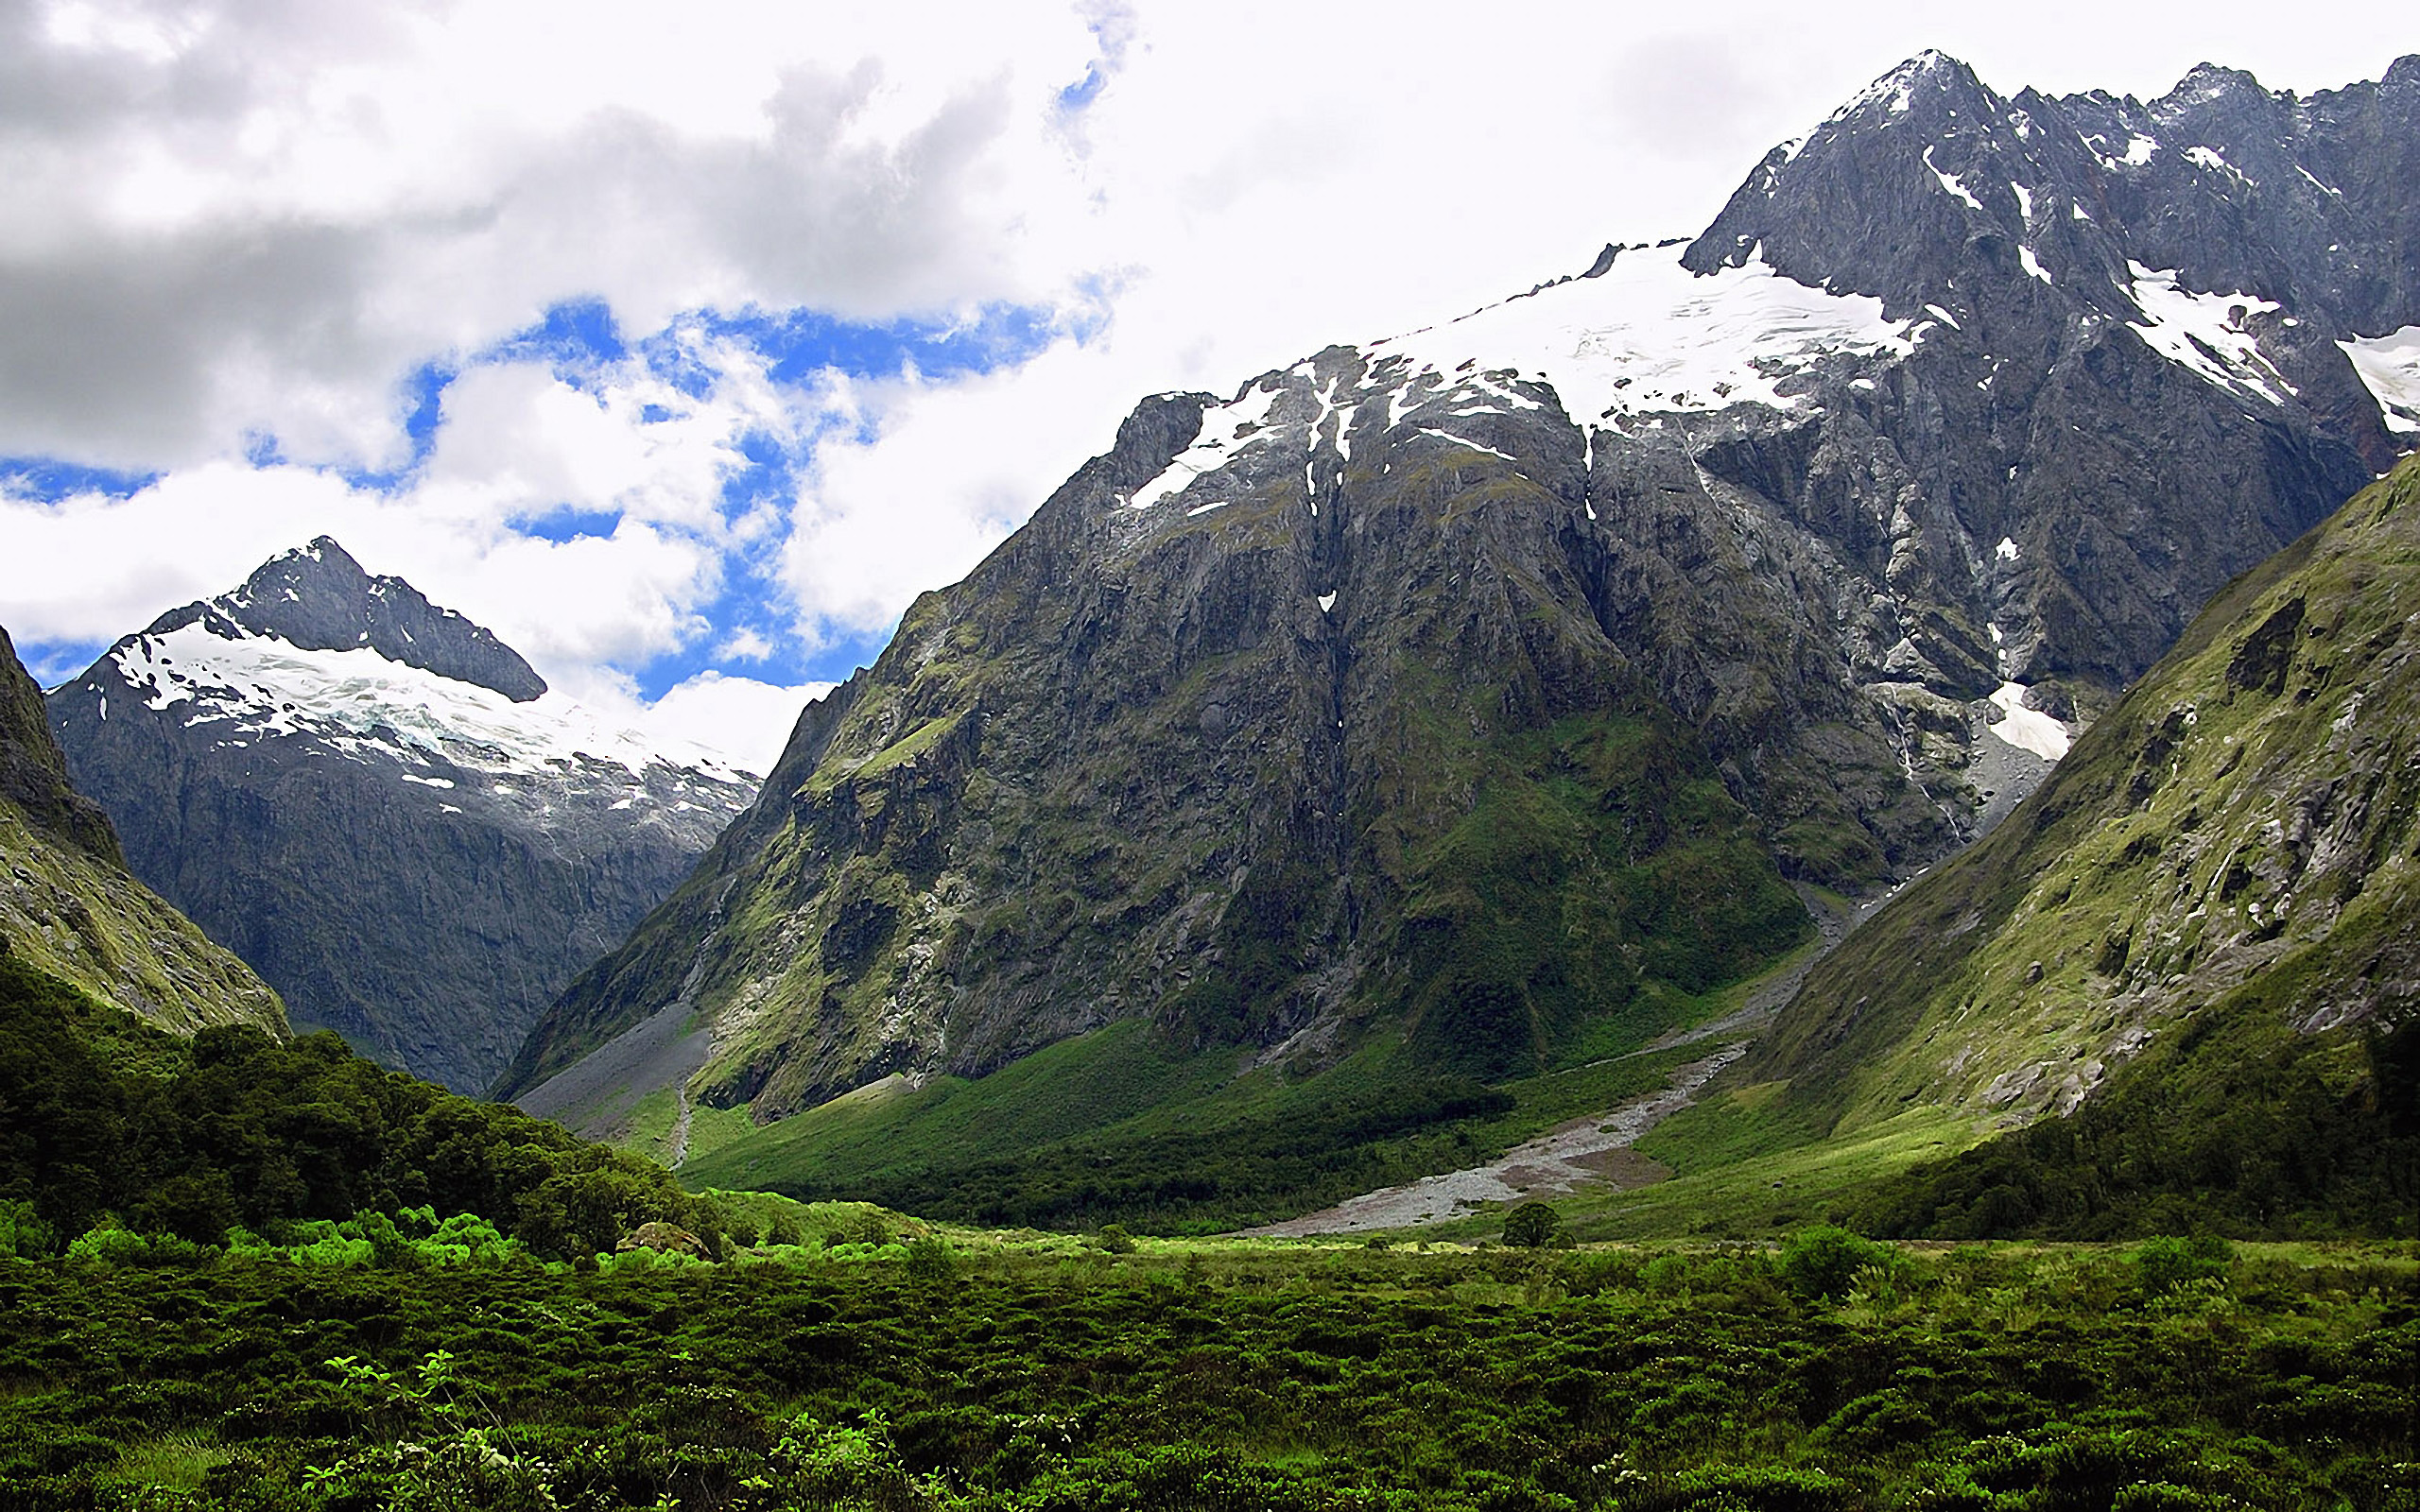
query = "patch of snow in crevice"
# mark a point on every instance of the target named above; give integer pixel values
(2033, 263)
(2389, 366)
(1464, 440)
(2208, 158)
(1226, 431)
(428, 781)
(1951, 181)
(2028, 729)
(1327, 602)
(1205, 509)
(2076, 212)
(2024, 200)
(2139, 150)
(2324, 188)
(2202, 331)
(1947, 319)
(2006, 550)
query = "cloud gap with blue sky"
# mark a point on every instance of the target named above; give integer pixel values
(685, 350)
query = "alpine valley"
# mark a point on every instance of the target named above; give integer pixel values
(1895, 719)
(1470, 708)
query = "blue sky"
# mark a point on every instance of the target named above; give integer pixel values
(683, 349)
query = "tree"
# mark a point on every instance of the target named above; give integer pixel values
(1531, 1225)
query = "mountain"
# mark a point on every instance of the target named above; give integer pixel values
(380, 806)
(2204, 929)
(1472, 700)
(69, 909)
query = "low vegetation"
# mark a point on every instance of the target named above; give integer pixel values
(1001, 1371)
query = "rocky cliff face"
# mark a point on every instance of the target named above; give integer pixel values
(1482, 687)
(2236, 838)
(377, 804)
(68, 906)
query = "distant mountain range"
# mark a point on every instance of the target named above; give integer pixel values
(381, 807)
(1473, 702)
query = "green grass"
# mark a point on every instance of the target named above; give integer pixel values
(170, 1462)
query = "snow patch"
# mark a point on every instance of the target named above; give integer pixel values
(2024, 200)
(2033, 263)
(2028, 729)
(1945, 317)
(1327, 602)
(1951, 181)
(1464, 440)
(2204, 157)
(360, 703)
(2006, 550)
(1648, 338)
(1205, 509)
(1226, 430)
(2390, 368)
(2205, 332)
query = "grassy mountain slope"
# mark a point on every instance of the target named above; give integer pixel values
(2205, 930)
(69, 908)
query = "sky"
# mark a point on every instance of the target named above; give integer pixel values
(684, 346)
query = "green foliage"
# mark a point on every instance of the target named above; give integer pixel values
(1532, 1226)
(2170, 1264)
(1114, 1240)
(187, 1141)
(930, 1259)
(1043, 1379)
(1824, 1262)
(1185, 1181)
(2230, 1127)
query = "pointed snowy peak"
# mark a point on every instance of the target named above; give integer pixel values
(1927, 87)
(318, 598)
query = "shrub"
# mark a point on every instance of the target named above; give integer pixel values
(1115, 1240)
(2165, 1266)
(1824, 1262)
(930, 1260)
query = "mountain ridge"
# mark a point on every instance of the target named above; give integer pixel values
(1292, 719)
(382, 806)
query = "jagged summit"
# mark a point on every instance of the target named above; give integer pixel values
(318, 598)
(381, 807)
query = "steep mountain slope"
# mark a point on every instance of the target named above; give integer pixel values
(2251, 802)
(69, 909)
(1475, 692)
(380, 806)
(2223, 877)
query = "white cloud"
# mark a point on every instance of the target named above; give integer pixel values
(230, 220)
(742, 718)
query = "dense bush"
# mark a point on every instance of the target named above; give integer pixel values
(1046, 1377)
(2221, 1130)
(185, 1140)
